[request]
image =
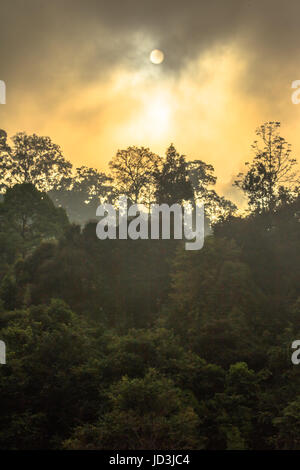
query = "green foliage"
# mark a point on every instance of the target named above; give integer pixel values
(28, 216)
(45, 345)
(146, 413)
(288, 427)
(123, 344)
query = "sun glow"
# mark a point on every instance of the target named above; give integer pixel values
(153, 121)
(199, 111)
(157, 115)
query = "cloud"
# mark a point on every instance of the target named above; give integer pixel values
(82, 39)
(79, 70)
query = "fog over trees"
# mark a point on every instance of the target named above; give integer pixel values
(140, 344)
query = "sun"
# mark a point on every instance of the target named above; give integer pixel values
(157, 57)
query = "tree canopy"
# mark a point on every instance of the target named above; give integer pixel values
(140, 344)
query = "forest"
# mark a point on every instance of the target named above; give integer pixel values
(141, 344)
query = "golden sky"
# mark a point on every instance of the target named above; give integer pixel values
(80, 73)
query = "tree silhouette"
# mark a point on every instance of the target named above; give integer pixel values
(31, 159)
(172, 180)
(271, 172)
(132, 171)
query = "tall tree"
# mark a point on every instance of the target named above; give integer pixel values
(132, 172)
(271, 172)
(172, 181)
(31, 159)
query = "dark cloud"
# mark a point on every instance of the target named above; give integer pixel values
(73, 40)
(49, 50)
